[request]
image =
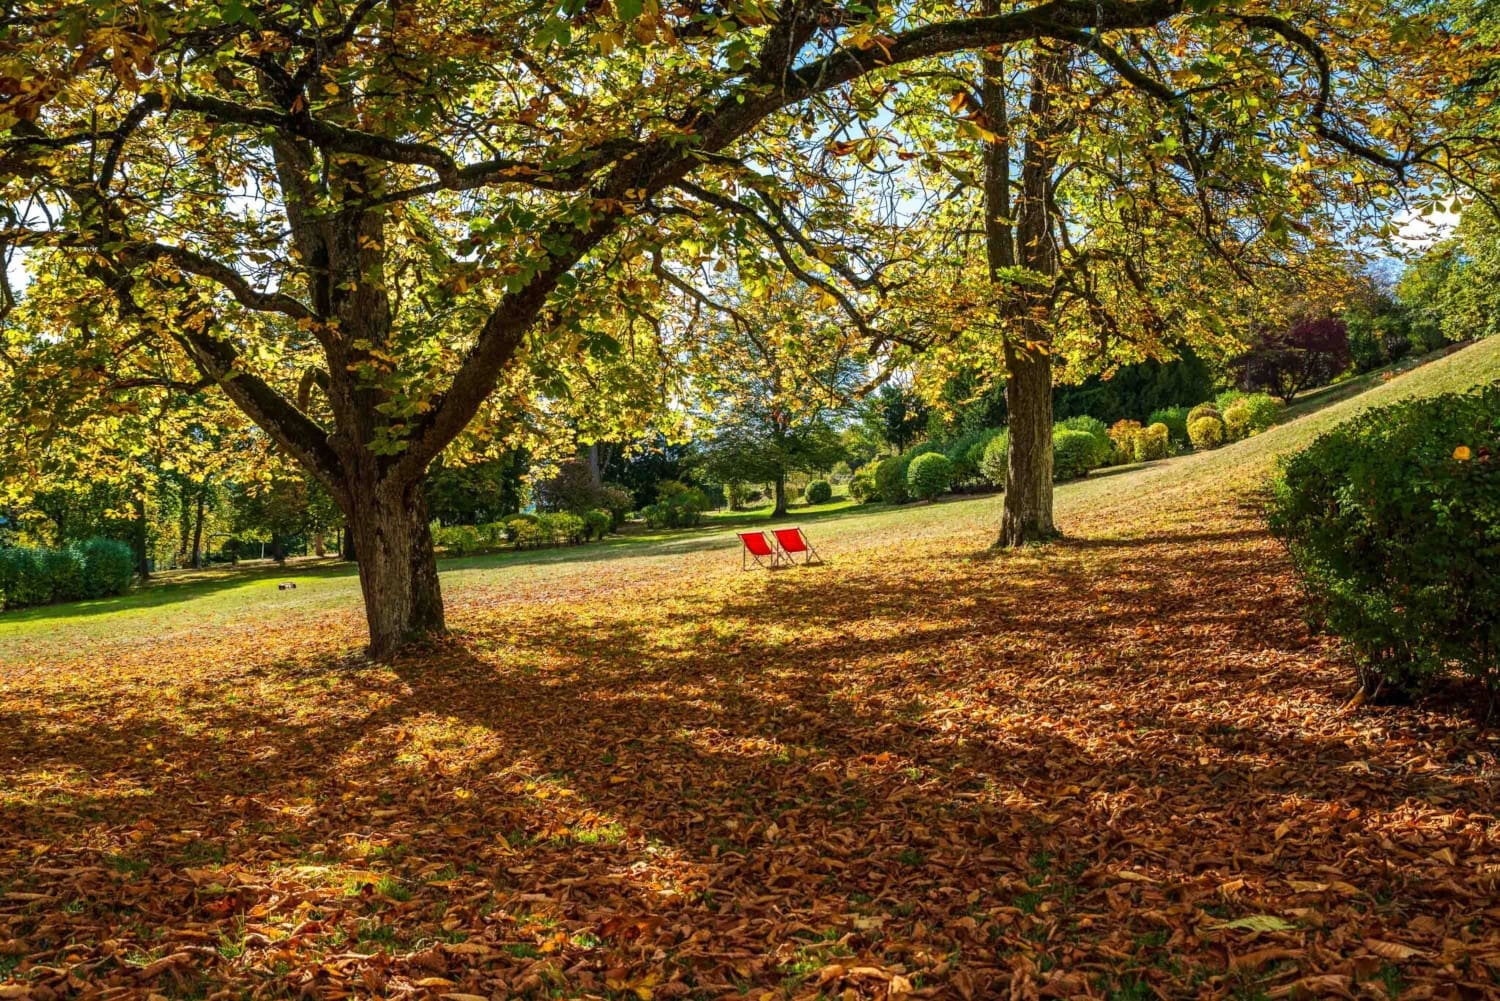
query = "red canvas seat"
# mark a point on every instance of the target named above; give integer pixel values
(793, 541)
(758, 548)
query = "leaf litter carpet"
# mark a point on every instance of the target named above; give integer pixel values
(1115, 767)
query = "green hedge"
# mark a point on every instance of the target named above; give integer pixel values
(1073, 453)
(1393, 523)
(97, 568)
(818, 492)
(929, 475)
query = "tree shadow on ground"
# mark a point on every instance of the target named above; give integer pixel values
(977, 772)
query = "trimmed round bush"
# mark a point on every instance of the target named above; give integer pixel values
(1229, 398)
(818, 492)
(1176, 420)
(996, 459)
(1206, 433)
(1152, 443)
(862, 484)
(929, 475)
(597, 523)
(1203, 410)
(1074, 453)
(1237, 421)
(1393, 524)
(890, 480)
(1122, 434)
(1251, 414)
(1096, 429)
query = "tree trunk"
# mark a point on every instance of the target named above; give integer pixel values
(397, 566)
(780, 509)
(596, 468)
(1019, 231)
(1027, 512)
(142, 539)
(198, 530)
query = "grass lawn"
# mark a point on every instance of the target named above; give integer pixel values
(1117, 766)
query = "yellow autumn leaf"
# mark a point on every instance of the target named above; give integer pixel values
(1462, 453)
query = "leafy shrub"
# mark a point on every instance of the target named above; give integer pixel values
(458, 539)
(1074, 453)
(66, 570)
(862, 484)
(1228, 398)
(1176, 420)
(97, 568)
(929, 475)
(1204, 410)
(1122, 435)
(1153, 442)
(818, 492)
(966, 453)
(1206, 433)
(678, 506)
(617, 501)
(1251, 414)
(1094, 428)
(890, 480)
(597, 523)
(1393, 523)
(524, 531)
(23, 577)
(1237, 421)
(996, 459)
(109, 567)
(564, 528)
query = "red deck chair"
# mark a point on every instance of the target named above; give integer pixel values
(793, 541)
(758, 548)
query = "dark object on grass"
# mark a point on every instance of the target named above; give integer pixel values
(288, 586)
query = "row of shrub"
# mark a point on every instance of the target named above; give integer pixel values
(524, 531)
(1079, 445)
(1393, 524)
(97, 568)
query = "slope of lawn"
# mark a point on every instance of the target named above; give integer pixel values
(1114, 766)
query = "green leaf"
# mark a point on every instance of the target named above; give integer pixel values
(1257, 922)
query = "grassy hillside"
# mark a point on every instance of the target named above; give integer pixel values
(1112, 501)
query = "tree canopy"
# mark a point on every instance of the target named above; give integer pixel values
(387, 230)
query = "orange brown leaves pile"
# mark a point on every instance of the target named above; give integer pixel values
(1115, 767)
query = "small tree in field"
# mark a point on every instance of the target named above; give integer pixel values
(1311, 353)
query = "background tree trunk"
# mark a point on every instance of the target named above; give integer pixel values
(780, 509)
(397, 565)
(1027, 512)
(142, 541)
(198, 529)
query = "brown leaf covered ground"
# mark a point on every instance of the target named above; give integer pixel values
(1117, 766)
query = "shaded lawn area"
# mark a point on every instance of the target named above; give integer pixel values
(1116, 766)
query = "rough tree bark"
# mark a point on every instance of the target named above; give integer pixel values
(1018, 234)
(198, 529)
(397, 566)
